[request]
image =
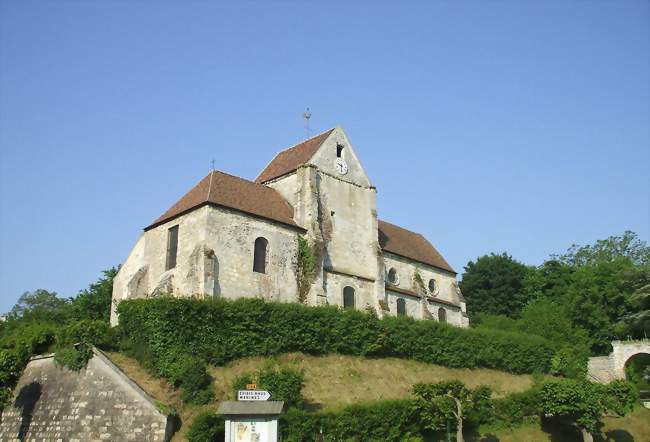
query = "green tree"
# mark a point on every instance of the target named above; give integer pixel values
(583, 403)
(598, 301)
(637, 321)
(551, 280)
(94, 303)
(439, 403)
(39, 305)
(493, 285)
(550, 320)
(606, 250)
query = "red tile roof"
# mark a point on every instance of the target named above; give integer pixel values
(402, 242)
(221, 189)
(290, 159)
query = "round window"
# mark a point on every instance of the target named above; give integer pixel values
(432, 285)
(392, 276)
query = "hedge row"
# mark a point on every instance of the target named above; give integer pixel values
(389, 420)
(394, 420)
(219, 331)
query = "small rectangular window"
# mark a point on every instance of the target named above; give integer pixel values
(339, 150)
(172, 247)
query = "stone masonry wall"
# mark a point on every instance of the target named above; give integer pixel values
(97, 404)
(445, 288)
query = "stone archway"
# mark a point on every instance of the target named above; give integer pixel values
(605, 369)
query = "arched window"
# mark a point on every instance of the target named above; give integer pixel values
(442, 315)
(259, 258)
(392, 276)
(348, 298)
(401, 307)
(432, 285)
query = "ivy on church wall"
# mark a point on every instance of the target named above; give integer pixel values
(306, 268)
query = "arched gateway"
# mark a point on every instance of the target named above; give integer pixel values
(605, 369)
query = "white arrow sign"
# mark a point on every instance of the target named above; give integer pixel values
(253, 395)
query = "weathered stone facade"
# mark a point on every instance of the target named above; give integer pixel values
(605, 369)
(97, 404)
(331, 202)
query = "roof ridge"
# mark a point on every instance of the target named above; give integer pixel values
(304, 141)
(241, 178)
(264, 174)
(207, 197)
(403, 228)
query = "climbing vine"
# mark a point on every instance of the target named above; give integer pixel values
(306, 268)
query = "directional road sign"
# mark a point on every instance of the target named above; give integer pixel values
(253, 395)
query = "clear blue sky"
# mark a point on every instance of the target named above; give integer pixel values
(518, 126)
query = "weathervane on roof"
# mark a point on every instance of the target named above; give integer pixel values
(212, 164)
(307, 115)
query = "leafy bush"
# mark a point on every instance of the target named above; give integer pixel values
(225, 330)
(284, 384)
(188, 372)
(74, 357)
(31, 338)
(584, 403)
(207, 427)
(87, 331)
(513, 410)
(386, 420)
(12, 364)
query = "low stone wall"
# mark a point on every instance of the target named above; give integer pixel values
(99, 403)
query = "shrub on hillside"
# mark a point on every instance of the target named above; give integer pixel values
(220, 331)
(207, 427)
(93, 332)
(284, 384)
(394, 420)
(514, 409)
(73, 357)
(188, 372)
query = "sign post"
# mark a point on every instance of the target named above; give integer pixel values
(252, 417)
(253, 395)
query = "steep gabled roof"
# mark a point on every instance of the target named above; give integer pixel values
(290, 159)
(225, 190)
(402, 242)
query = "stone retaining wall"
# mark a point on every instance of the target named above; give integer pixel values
(99, 403)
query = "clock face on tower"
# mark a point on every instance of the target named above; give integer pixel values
(341, 166)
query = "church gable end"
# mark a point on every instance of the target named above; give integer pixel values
(337, 158)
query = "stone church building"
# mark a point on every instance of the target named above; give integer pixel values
(230, 238)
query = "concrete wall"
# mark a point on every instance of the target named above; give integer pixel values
(97, 404)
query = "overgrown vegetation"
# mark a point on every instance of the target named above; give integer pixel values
(41, 322)
(584, 403)
(75, 357)
(283, 382)
(207, 427)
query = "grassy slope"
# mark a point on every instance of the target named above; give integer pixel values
(335, 380)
